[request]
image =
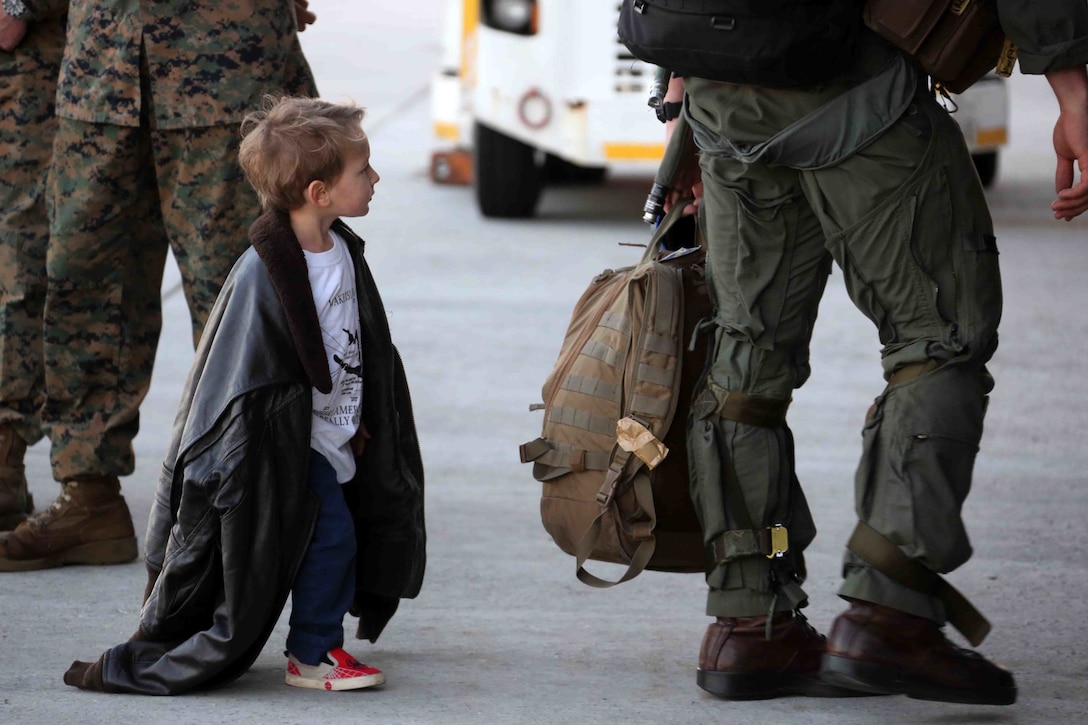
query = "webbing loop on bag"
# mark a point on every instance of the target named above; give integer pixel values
(888, 559)
(612, 477)
(615, 321)
(533, 449)
(586, 385)
(641, 531)
(582, 419)
(558, 455)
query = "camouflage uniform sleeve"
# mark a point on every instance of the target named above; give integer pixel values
(100, 74)
(1048, 35)
(211, 62)
(208, 63)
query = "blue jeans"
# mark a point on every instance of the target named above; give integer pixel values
(325, 584)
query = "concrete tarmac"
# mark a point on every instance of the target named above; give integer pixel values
(502, 631)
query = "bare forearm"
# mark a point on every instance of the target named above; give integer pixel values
(1070, 86)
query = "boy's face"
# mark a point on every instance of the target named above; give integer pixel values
(352, 192)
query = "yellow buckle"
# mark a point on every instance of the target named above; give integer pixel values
(780, 542)
(1006, 63)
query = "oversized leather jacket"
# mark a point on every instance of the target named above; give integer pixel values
(233, 513)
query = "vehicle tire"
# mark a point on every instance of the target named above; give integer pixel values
(508, 177)
(986, 166)
(559, 171)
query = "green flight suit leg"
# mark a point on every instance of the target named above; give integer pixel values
(906, 220)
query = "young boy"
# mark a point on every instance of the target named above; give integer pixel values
(295, 465)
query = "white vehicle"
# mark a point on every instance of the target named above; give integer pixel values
(536, 90)
(982, 112)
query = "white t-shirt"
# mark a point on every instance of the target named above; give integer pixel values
(337, 414)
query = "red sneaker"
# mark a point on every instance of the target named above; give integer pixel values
(337, 671)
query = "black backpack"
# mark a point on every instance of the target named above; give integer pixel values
(771, 43)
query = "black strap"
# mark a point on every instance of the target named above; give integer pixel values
(669, 111)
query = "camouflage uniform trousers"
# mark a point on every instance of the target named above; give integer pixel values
(121, 196)
(28, 85)
(906, 220)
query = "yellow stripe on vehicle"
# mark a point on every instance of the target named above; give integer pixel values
(447, 131)
(634, 151)
(991, 136)
(470, 19)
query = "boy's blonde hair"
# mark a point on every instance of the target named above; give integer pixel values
(291, 142)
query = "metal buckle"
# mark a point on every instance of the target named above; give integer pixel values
(780, 542)
(1007, 62)
(605, 496)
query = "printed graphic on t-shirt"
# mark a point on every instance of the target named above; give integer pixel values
(347, 374)
(357, 370)
(336, 414)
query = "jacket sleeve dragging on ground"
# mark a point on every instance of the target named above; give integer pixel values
(232, 515)
(240, 529)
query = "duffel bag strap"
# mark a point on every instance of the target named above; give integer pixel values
(675, 213)
(643, 534)
(533, 450)
(561, 456)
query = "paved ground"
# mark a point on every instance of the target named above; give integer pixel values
(502, 632)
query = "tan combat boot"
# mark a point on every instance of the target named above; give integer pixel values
(15, 500)
(89, 523)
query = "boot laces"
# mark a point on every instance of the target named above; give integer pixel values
(53, 511)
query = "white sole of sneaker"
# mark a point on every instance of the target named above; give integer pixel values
(346, 683)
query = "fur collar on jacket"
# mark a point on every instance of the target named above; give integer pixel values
(278, 248)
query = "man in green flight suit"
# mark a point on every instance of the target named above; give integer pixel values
(150, 97)
(868, 172)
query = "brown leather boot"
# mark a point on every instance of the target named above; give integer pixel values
(89, 523)
(739, 662)
(15, 500)
(887, 651)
